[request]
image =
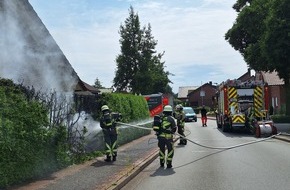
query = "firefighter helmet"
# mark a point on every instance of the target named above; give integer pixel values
(167, 108)
(178, 107)
(104, 108)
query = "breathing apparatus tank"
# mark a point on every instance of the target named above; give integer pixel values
(157, 120)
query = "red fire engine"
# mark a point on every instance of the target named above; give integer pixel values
(244, 105)
(156, 102)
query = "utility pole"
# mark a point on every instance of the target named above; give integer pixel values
(202, 94)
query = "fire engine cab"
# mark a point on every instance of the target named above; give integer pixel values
(244, 105)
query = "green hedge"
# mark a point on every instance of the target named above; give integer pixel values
(24, 141)
(30, 150)
(280, 118)
(132, 107)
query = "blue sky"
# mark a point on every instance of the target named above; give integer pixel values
(191, 32)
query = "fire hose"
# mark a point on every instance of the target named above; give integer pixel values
(210, 147)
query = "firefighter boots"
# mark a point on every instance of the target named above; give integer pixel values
(108, 159)
(169, 165)
(161, 164)
(182, 142)
(114, 158)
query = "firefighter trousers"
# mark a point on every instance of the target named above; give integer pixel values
(110, 137)
(180, 130)
(164, 143)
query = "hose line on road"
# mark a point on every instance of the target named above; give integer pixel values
(210, 147)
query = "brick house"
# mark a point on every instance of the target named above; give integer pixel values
(183, 91)
(277, 97)
(202, 95)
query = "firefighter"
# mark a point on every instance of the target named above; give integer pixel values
(203, 113)
(164, 125)
(251, 118)
(180, 117)
(108, 124)
(251, 112)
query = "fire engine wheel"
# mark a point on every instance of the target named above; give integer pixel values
(274, 130)
(225, 128)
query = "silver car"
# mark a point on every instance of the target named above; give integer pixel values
(189, 114)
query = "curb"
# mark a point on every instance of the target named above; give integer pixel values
(135, 169)
(283, 138)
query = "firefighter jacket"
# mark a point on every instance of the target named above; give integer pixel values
(165, 127)
(180, 117)
(108, 123)
(251, 112)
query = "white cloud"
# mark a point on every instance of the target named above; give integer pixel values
(190, 33)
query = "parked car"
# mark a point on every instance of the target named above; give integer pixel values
(189, 114)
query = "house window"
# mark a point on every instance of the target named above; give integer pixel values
(274, 102)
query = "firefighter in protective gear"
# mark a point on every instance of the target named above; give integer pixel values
(165, 126)
(180, 117)
(250, 113)
(108, 124)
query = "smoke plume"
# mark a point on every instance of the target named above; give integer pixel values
(29, 55)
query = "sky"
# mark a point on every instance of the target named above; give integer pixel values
(190, 32)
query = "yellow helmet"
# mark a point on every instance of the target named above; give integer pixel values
(104, 107)
(167, 108)
(178, 107)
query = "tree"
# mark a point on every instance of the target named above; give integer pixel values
(275, 43)
(98, 84)
(261, 35)
(139, 68)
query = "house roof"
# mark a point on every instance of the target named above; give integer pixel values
(246, 76)
(202, 86)
(91, 88)
(185, 90)
(272, 78)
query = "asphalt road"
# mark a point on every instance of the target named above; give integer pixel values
(262, 165)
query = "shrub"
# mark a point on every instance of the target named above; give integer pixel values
(33, 144)
(132, 107)
(280, 118)
(24, 140)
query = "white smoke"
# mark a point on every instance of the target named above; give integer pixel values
(86, 120)
(29, 55)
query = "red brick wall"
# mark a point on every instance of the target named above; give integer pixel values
(196, 100)
(277, 92)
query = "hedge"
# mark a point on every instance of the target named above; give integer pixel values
(29, 149)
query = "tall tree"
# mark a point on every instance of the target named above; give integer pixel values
(275, 43)
(98, 84)
(127, 61)
(139, 68)
(261, 35)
